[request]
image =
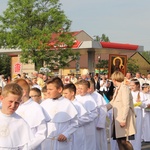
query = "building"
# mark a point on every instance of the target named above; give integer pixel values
(90, 52)
(144, 65)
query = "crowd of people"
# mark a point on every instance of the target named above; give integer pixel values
(39, 112)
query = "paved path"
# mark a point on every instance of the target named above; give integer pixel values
(145, 146)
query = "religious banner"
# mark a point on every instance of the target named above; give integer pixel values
(117, 63)
(17, 68)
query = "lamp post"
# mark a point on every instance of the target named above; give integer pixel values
(77, 66)
(99, 60)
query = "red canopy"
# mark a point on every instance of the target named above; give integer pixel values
(119, 46)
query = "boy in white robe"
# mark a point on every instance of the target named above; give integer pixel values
(91, 107)
(15, 133)
(33, 114)
(36, 95)
(79, 142)
(100, 122)
(63, 117)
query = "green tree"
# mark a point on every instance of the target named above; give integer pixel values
(30, 25)
(5, 65)
(102, 64)
(97, 38)
(146, 55)
(131, 66)
(103, 38)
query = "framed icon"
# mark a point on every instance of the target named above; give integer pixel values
(117, 63)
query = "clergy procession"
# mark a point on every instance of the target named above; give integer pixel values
(39, 112)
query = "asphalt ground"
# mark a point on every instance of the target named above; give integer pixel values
(145, 145)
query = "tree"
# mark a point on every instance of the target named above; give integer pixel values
(103, 38)
(146, 55)
(131, 66)
(31, 25)
(102, 64)
(5, 65)
(97, 38)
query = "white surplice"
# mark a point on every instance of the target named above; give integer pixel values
(146, 119)
(113, 143)
(63, 116)
(33, 114)
(15, 133)
(79, 140)
(100, 122)
(136, 143)
(90, 130)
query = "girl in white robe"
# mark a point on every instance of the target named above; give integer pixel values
(138, 105)
(146, 113)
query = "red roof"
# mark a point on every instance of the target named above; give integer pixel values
(54, 40)
(76, 32)
(76, 44)
(119, 45)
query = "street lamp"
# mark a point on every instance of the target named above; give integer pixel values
(99, 60)
(77, 66)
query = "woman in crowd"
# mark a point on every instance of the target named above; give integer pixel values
(123, 126)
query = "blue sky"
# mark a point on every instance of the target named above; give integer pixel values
(123, 21)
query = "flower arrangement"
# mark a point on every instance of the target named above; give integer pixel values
(137, 104)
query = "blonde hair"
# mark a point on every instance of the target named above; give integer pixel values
(84, 82)
(12, 88)
(117, 76)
